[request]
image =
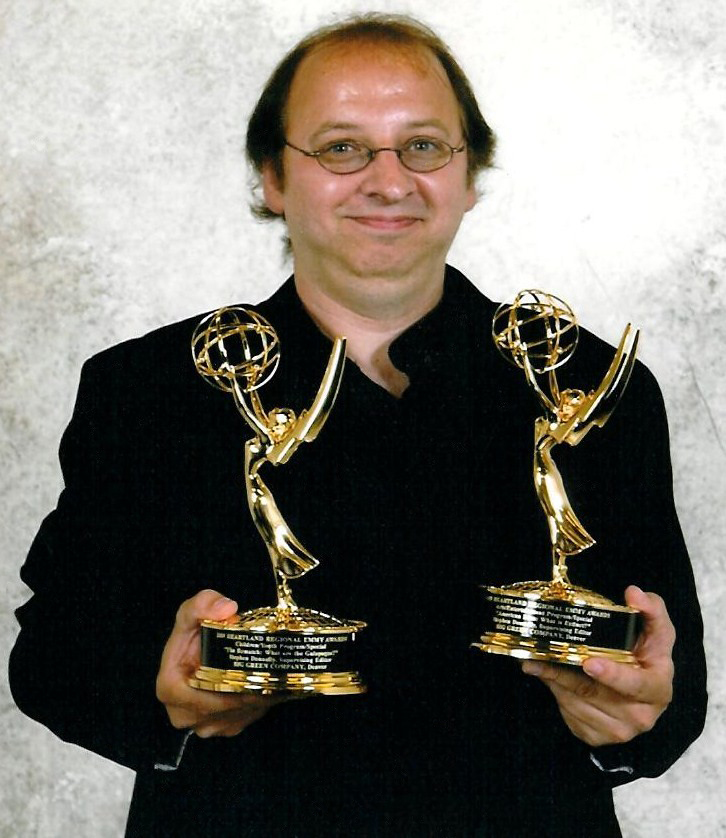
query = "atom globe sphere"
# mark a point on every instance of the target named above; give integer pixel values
(234, 344)
(537, 326)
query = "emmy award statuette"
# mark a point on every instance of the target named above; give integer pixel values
(556, 620)
(281, 649)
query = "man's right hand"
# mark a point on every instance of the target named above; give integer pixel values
(207, 713)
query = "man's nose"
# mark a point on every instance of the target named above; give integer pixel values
(385, 176)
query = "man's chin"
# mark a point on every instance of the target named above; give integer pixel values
(380, 271)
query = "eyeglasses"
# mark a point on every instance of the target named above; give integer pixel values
(421, 154)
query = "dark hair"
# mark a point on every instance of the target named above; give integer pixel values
(266, 129)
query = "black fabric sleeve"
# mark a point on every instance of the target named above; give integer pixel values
(645, 518)
(86, 658)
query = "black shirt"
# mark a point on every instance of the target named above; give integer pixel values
(410, 505)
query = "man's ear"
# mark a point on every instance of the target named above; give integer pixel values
(272, 189)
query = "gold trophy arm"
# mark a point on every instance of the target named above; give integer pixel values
(529, 373)
(310, 421)
(249, 413)
(599, 405)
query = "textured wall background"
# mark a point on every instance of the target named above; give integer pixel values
(124, 206)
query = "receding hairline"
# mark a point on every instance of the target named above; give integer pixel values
(415, 54)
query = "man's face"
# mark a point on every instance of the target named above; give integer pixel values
(383, 221)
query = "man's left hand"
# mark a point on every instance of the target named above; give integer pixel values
(608, 703)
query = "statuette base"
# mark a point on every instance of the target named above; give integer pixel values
(279, 650)
(559, 623)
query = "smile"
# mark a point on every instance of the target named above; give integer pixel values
(386, 223)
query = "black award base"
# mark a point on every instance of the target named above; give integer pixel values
(560, 624)
(280, 651)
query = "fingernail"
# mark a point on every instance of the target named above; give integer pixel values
(532, 668)
(223, 600)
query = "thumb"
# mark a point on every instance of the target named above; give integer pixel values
(182, 647)
(658, 635)
(206, 605)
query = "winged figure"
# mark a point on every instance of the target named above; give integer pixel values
(279, 433)
(571, 414)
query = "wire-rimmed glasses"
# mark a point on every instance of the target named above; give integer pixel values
(420, 154)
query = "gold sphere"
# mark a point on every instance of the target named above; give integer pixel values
(538, 327)
(235, 343)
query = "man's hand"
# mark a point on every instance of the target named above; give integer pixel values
(207, 713)
(609, 703)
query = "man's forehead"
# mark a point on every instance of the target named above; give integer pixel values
(325, 64)
(418, 57)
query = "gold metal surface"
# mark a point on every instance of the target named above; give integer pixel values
(238, 351)
(538, 332)
(525, 648)
(549, 592)
(299, 620)
(266, 683)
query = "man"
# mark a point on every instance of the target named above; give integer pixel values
(367, 140)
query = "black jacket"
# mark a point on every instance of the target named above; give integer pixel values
(410, 504)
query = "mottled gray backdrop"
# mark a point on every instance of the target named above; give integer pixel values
(124, 206)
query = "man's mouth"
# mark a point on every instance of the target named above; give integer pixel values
(385, 223)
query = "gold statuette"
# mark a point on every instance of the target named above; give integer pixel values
(556, 620)
(282, 648)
